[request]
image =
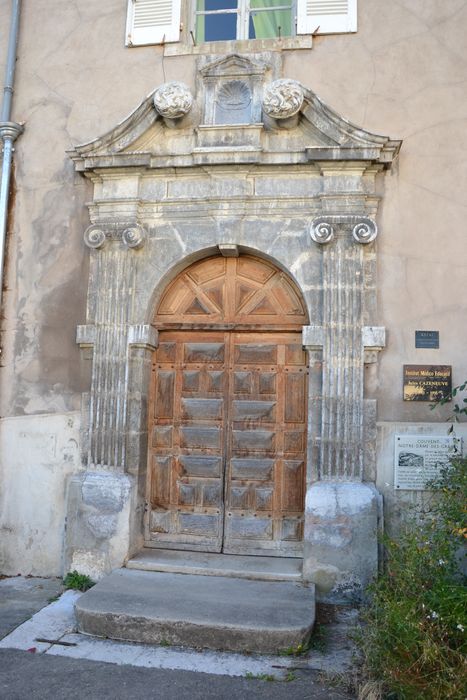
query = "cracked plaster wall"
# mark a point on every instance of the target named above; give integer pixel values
(402, 74)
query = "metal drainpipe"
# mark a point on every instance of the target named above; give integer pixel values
(9, 131)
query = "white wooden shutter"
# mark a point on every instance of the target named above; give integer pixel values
(326, 16)
(153, 21)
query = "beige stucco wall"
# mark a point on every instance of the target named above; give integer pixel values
(39, 454)
(402, 74)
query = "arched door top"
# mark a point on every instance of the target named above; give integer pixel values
(243, 291)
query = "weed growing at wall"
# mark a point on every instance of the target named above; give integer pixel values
(77, 582)
(415, 626)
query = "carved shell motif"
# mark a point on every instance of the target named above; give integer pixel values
(173, 100)
(234, 95)
(283, 98)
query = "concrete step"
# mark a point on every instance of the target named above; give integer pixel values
(214, 612)
(231, 565)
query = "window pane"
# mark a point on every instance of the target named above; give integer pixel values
(218, 27)
(266, 24)
(209, 5)
(221, 27)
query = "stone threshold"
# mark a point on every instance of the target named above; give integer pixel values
(212, 564)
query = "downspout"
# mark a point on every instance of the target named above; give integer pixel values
(9, 131)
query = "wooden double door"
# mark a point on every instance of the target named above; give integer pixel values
(228, 441)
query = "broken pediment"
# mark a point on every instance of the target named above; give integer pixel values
(238, 115)
(233, 66)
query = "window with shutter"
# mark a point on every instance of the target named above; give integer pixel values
(158, 21)
(153, 21)
(326, 16)
(217, 20)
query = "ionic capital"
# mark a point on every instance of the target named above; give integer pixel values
(130, 234)
(363, 229)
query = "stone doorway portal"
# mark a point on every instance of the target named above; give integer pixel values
(228, 412)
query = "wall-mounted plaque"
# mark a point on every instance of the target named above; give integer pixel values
(419, 458)
(427, 339)
(427, 382)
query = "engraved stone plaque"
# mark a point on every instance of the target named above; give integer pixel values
(419, 458)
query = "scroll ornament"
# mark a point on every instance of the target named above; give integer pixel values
(133, 236)
(322, 232)
(94, 237)
(173, 100)
(283, 98)
(365, 231)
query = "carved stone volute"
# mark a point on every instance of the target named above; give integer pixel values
(173, 101)
(283, 98)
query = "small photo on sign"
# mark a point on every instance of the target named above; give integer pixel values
(410, 459)
(427, 382)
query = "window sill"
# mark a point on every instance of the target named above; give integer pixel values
(247, 46)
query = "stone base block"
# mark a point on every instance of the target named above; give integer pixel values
(99, 534)
(341, 539)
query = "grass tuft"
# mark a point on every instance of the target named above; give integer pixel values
(78, 582)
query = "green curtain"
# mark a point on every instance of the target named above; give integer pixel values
(200, 23)
(267, 22)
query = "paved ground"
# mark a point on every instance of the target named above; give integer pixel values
(58, 671)
(21, 597)
(24, 675)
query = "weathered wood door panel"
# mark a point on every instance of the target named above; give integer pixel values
(264, 482)
(187, 440)
(228, 412)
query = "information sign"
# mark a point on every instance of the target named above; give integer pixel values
(418, 459)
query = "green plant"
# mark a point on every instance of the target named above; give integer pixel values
(458, 409)
(317, 642)
(318, 639)
(77, 582)
(413, 640)
(294, 651)
(260, 676)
